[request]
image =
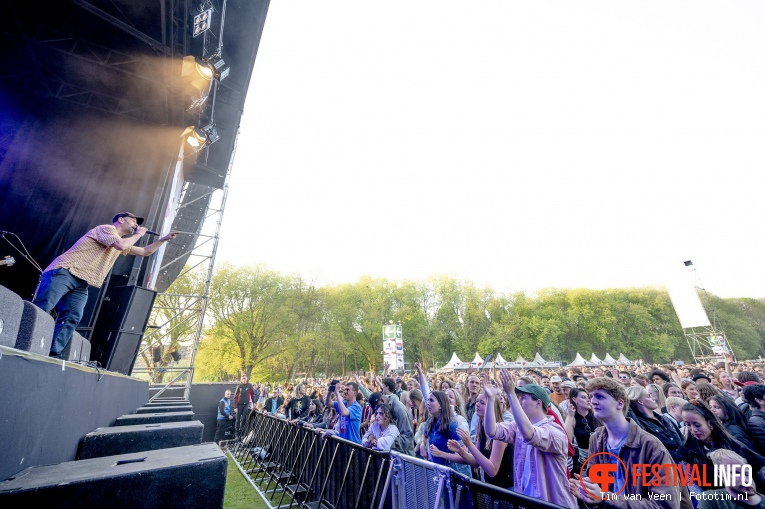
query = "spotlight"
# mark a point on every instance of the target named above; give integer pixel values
(198, 137)
(199, 76)
(175, 354)
(202, 22)
(218, 67)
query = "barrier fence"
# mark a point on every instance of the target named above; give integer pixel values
(291, 466)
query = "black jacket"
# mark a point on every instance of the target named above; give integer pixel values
(267, 405)
(757, 429)
(664, 430)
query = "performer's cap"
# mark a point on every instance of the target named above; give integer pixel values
(139, 220)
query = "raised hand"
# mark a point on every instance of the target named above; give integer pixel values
(464, 436)
(508, 381)
(490, 391)
(418, 367)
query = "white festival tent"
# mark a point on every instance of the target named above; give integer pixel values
(609, 360)
(539, 361)
(624, 360)
(594, 360)
(477, 361)
(499, 361)
(578, 361)
(454, 363)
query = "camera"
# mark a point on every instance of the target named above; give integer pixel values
(332, 385)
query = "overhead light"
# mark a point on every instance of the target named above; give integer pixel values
(198, 137)
(199, 76)
(202, 22)
(218, 67)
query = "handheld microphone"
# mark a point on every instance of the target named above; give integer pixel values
(151, 232)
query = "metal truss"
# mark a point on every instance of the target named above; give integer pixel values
(184, 312)
(707, 344)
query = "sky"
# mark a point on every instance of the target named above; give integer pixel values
(521, 145)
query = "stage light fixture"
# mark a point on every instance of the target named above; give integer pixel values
(202, 22)
(199, 76)
(198, 137)
(219, 68)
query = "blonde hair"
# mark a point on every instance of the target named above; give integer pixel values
(673, 401)
(660, 392)
(718, 455)
(634, 392)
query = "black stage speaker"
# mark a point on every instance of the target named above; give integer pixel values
(77, 350)
(11, 310)
(36, 331)
(189, 477)
(119, 329)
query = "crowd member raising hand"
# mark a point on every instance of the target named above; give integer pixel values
(541, 445)
(493, 457)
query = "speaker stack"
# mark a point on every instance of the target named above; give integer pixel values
(119, 329)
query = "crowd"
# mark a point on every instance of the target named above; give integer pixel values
(535, 431)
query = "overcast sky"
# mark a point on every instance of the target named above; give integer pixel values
(518, 144)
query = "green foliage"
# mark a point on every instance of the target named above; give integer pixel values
(277, 327)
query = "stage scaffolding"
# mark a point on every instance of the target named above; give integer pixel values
(178, 317)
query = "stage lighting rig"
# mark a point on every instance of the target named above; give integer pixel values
(202, 22)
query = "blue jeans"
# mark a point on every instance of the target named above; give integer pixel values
(68, 294)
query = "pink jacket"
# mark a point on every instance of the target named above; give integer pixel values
(548, 460)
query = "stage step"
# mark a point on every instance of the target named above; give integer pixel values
(143, 437)
(135, 419)
(163, 409)
(162, 402)
(184, 477)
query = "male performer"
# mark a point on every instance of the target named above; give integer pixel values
(65, 281)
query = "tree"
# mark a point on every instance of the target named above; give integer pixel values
(248, 307)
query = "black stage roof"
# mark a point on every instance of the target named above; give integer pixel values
(92, 107)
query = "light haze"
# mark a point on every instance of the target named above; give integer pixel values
(522, 145)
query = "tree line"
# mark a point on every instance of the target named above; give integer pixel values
(277, 326)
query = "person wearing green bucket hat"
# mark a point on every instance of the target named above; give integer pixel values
(540, 444)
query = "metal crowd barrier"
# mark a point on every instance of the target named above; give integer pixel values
(291, 463)
(292, 466)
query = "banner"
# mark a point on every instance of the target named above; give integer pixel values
(393, 346)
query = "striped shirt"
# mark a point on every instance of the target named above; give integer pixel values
(92, 257)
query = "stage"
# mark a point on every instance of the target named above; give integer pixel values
(47, 406)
